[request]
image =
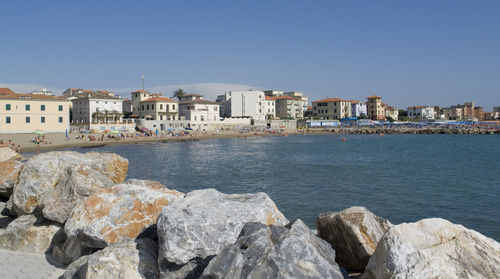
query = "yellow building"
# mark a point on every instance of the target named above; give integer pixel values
(25, 113)
(374, 108)
(332, 109)
(159, 108)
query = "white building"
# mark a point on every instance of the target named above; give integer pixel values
(42, 91)
(243, 104)
(358, 108)
(97, 108)
(303, 100)
(273, 93)
(270, 107)
(421, 112)
(194, 108)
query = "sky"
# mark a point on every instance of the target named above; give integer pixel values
(409, 52)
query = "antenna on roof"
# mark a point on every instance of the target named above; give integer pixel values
(143, 82)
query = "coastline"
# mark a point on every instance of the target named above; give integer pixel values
(57, 141)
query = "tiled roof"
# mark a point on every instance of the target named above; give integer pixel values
(199, 101)
(331, 100)
(139, 91)
(417, 107)
(285, 98)
(31, 97)
(4, 91)
(374, 97)
(354, 102)
(192, 95)
(160, 99)
(270, 98)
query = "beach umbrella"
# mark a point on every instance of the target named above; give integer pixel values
(106, 131)
(38, 132)
(115, 132)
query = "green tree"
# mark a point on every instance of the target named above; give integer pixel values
(390, 119)
(179, 93)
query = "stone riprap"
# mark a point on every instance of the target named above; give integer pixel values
(261, 251)
(129, 260)
(353, 233)
(434, 248)
(119, 213)
(9, 171)
(202, 223)
(6, 154)
(60, 180)
(26, 234)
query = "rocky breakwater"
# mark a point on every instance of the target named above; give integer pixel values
(78, 210)
(407, 130)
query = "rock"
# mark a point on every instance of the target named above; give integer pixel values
(201, 224)
(126, 260)
(5, 219)
(273, 251)
(43, 180)
(69, 251)
(28, 234)
(6, 154)
(9, 171)
(118, 214)
(434, 248)
(353, 233)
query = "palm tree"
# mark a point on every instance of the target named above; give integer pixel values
(179, 93)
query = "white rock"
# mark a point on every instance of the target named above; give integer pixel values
(434, 248)
(9, 171)
(6, 153)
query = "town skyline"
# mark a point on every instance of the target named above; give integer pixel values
(411, 53)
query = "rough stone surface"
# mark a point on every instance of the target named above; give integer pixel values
(118, 214)
(9, 171)
(5, 219)
(202, 223)
(126, 260)
(6, 153)
(272, 251)
(353, 233)
(434, 248)
(64, 178)
(27, 234)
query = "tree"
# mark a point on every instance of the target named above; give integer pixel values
(179, 93)
(390, 119)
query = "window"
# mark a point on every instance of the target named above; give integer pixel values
(152, 106)
(60, 108)
(28, 119)
(27, 107)
(60, 119)
(161, 106)
(42, 107)
(147, 107)
(142, 107)
(7, 106)
(173, 107)
(7, 119)
(42, 119)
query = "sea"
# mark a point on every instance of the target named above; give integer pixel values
(403, 178)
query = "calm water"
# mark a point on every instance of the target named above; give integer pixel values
(403, 178)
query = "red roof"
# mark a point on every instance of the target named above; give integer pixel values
(374, 97)
(285, 98)
(160, 99)
(5, 91)
(331, 100)
(270, 98)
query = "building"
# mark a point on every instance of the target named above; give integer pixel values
(127, 106)
(159, 108)
(478, 114)
(391, 112)
(462, 112)
(303, 100)
(194, 108)
(288, 107)
(243, 104)
(332, 109)
(374, 108)
(270, 108)
(358, 109)
(95, 108)
(25, 113)
(73, 92)
(496, 109)
(421, 112)
(273, 93)
(42, 91)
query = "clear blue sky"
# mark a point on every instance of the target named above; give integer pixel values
(409, 52)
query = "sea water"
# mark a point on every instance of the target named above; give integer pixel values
(402, 178)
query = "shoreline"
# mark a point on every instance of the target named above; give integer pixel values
(57, 141)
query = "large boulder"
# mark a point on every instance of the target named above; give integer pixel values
(56, 181)
(272, 251)
(28, 234)
(5, 219)
(127, 260)
(201, 224)
(119, 213)
(434, 248)
(6, 154)
(353, 233)
(9, 171)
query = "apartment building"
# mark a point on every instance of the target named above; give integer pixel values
(25, 113)
(194, 108)
(270, 109)
(331, 109)
(374, 108)
(288, 107)
(358, 108)
(94, 108)
(243, 104)
(421, 112)
(159, 108)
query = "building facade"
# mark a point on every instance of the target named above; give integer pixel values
(374, 108)
(270, 107)
(194, 108)
(159, 108)
(421, 112)
(358, 109)
(243, 104)
(97, 108)
(303, 100)
(288, 107)
(331, 109)
(25, 113)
